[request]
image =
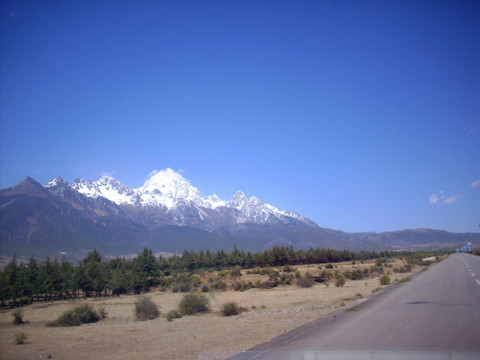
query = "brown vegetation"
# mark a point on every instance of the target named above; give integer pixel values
(271, 312)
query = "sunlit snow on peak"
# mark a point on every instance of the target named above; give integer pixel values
(169, 189)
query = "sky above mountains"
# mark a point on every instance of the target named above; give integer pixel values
(362, 116)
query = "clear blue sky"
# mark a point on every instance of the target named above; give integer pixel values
(363, 116)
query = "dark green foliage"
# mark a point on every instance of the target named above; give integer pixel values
(80, 314)
(146, 309)
(230, 309)
(173, 314)
(193, 303)
(53, 280)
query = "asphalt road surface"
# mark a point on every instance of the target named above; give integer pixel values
(434, 316)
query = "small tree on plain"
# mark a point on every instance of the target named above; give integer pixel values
(146, 309)
(340, 281)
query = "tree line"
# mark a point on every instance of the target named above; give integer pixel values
(22, 283)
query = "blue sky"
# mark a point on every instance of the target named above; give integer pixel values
(363, 116)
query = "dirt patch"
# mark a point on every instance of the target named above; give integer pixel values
(209, 336)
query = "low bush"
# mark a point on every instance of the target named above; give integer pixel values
(17, 317)
(230, 309)
(265, 284)
(340, 281)
(385, 279)
(193, 303)
(356, 275)
(146, 309)
(285, 279)
(241, 285)
(21, 337)
(173, 314)
(305, 282)
(218, 285)
(80, 314)
(288, 269)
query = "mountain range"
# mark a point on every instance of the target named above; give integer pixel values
(168, 214)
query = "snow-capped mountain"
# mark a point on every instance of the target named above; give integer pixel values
(168, 198)
(168, 214)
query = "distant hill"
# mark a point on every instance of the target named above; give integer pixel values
(168, 214)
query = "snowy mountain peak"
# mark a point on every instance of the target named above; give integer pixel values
(168, 188)
(163, 178)
(169, 192)
(57, 182)
(106, 187)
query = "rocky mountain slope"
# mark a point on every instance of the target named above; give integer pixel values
(168, 214)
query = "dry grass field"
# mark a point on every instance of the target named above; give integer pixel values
(207, 336)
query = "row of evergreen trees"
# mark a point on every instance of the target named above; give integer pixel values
(22, 283)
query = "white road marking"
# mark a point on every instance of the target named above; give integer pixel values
(473, 274)
(478, 282)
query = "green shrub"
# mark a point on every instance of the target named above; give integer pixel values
(80, 314)
(285, 279)
(193, 303)
(305, 282)
(288, 269)
(385, 279)
(181, 287)
(218, 285)
(241, 285)
(17, 317)
(204, 288)
(146, 309)
(230, 309)
(173, 314)
(265, 284)
(329, 266)
(340, 281)
(21, 337)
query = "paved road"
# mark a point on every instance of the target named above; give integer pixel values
(436, 315)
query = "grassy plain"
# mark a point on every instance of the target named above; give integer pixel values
(207, 336)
